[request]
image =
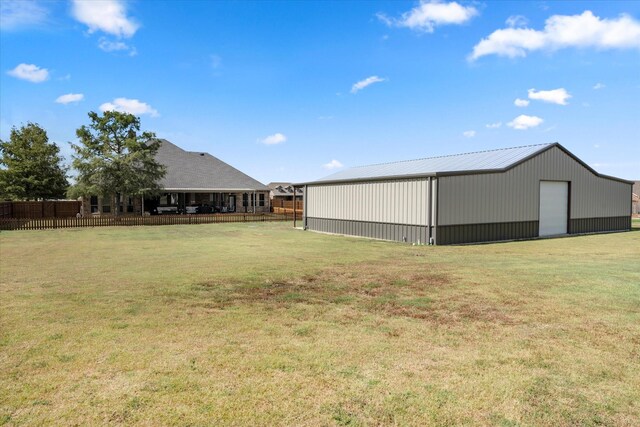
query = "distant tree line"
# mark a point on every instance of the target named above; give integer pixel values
(112, 158)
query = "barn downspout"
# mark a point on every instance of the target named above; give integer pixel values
(435, 212)
(429, 211)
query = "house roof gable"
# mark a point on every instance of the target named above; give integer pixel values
(194, 171)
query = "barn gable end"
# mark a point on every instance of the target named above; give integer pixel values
(479, 203)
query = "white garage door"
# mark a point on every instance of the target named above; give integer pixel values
(554, 207)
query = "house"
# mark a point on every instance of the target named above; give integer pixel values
(513, 193)
(194, 182)
(283, 193)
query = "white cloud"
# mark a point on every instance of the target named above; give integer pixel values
(520, 102)
(131, 106)
(17, 14)
(495, 125)
(515, 21)
(276, 138)
(523, 122)
(333, 164)
(115, 46)
(385, 19)
(599, 86)
(560, 32)
(69, 98)
(555, 96)
(30, 72)
(469, 133)
(109, 16)
(430, 14)
(366, 82)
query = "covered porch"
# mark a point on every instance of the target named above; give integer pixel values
(204, 201)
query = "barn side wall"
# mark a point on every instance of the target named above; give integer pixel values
(389, 210)
(502, 206)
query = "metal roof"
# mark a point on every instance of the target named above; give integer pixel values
(195, 171)
(490, 160)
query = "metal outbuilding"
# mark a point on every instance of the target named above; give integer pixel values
(505, 194)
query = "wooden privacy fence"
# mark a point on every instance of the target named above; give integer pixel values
(287, 205)
(40, 209)
(5, 209)
(111, 221)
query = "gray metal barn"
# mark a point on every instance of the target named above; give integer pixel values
(513, 193)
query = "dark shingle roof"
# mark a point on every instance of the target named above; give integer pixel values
(188, 170)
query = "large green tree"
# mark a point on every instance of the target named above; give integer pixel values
(30, 166)
(114, 158)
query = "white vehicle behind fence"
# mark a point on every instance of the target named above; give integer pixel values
(167, 210)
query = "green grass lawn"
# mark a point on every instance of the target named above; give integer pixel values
(261, 324)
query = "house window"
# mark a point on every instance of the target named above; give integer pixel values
(106, 205)
(129, 204)
(245, 200)
(94, 204)
(261, 199)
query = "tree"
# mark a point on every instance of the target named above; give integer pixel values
(115, 159)
(30, 166)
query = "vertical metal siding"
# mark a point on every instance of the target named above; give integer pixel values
(397, 232)
(514, 195)
(393, 202)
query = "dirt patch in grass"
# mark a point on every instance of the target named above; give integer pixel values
(392, 290)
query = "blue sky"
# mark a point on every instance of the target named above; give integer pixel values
(293, 91)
